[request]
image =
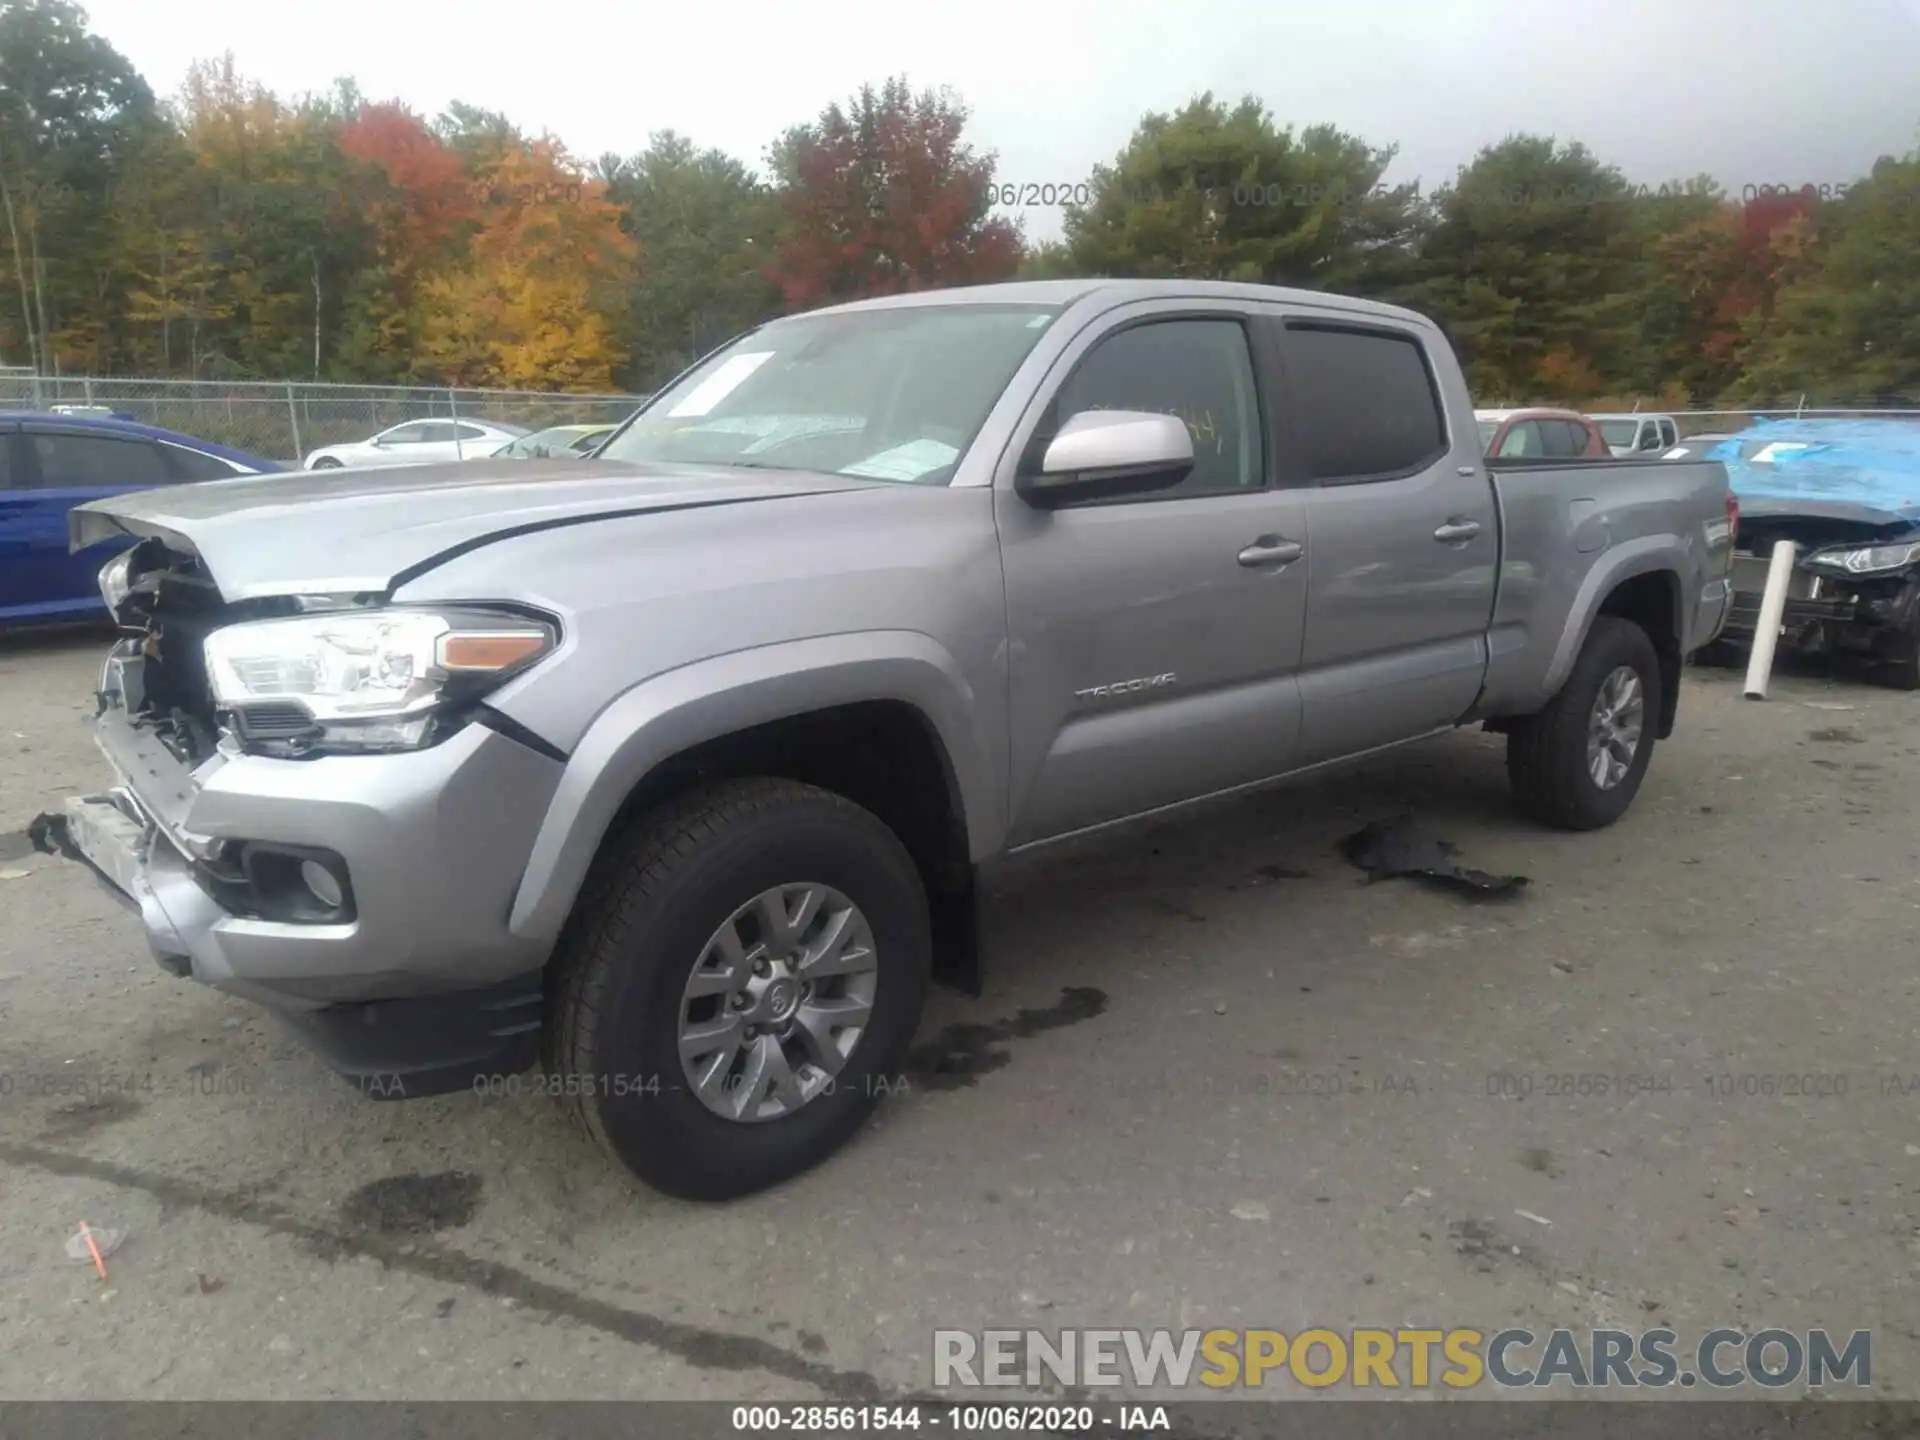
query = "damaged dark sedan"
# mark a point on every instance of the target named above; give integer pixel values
(1847, 494)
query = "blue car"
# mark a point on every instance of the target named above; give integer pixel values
(50, 463)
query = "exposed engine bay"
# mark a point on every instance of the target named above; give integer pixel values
(1855, 587)
(168, 604)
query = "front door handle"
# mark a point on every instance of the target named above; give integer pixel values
(1456, 530)
(1272, 550)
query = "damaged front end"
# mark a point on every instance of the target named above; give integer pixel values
(1855, 587)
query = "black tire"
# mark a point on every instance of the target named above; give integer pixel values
(1900, 666)
(1547, 752)
(660, 889)
(327, 463)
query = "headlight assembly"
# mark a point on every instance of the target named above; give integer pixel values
(115, 581)
(364, 680)
(1866, 559)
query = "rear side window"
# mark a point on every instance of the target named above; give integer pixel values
(1363, 403)
(473, 432)
(72, 462)
(185, 464)
(1558, 444)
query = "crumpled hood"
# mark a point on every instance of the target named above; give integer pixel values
(362, 530)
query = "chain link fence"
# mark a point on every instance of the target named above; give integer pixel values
(288, 421)
(1728, 422)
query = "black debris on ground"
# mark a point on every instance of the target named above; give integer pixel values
(1402, 846)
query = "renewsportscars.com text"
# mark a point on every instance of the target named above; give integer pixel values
(1388, 1359)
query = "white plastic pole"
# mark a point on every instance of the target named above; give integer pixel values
(1766, 630)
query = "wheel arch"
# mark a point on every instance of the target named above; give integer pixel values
(884, 718)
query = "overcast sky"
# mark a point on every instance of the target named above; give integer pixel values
(1784, 92)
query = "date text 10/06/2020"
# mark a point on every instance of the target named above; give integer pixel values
(960, 1419)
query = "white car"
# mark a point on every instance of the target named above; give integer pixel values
(1638, 433)
(419, 442)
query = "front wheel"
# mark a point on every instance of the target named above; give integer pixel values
(1578, 763)
(326, 462)
(739, 985)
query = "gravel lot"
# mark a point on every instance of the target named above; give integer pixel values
(1195, 1022)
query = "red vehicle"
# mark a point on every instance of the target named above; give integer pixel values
(1540, 434)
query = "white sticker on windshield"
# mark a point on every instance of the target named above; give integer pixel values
(720, 384)
(904, 462)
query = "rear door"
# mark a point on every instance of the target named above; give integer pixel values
(65, 467)
(473, 443)
(1154, 638)
(1404, 535)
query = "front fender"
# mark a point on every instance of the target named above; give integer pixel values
(674, 711)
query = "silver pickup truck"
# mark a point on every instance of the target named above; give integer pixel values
(672, 770)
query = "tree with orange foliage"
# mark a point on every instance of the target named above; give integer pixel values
(547, 269)
(886, 196)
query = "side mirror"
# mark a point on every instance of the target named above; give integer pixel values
(380, 442)
(1104, 454)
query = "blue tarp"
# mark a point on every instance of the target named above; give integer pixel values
(1870, 463)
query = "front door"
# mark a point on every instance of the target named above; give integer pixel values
(1153, 639)
(1406, 541)
(62, 468)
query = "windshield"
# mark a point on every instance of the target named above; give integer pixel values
(1619, 432)
(890, 394)
(1488, 429)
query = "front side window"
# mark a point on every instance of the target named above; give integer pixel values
(885, 394)
(74, 462)
(1197, 370)
(410, 434)
(1522, 441)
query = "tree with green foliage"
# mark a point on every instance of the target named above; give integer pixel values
(1223, 193)
(1532, 258)
(707, 229)
(1845, 327)
(69, 102)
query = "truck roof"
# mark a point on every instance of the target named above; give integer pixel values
(1063, 293)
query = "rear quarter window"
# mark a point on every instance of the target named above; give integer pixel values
(186, 465)
(1362, 402)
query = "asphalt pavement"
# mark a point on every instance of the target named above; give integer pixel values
(1216, 1079)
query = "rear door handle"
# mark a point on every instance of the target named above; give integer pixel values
(1455, 530)
(1272, 550)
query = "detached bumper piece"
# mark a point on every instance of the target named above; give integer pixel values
(108, 835)
(430, 1045)
(389, 1049)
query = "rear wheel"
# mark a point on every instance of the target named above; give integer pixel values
(739, 985)
(1578, 763)
(327, 462)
